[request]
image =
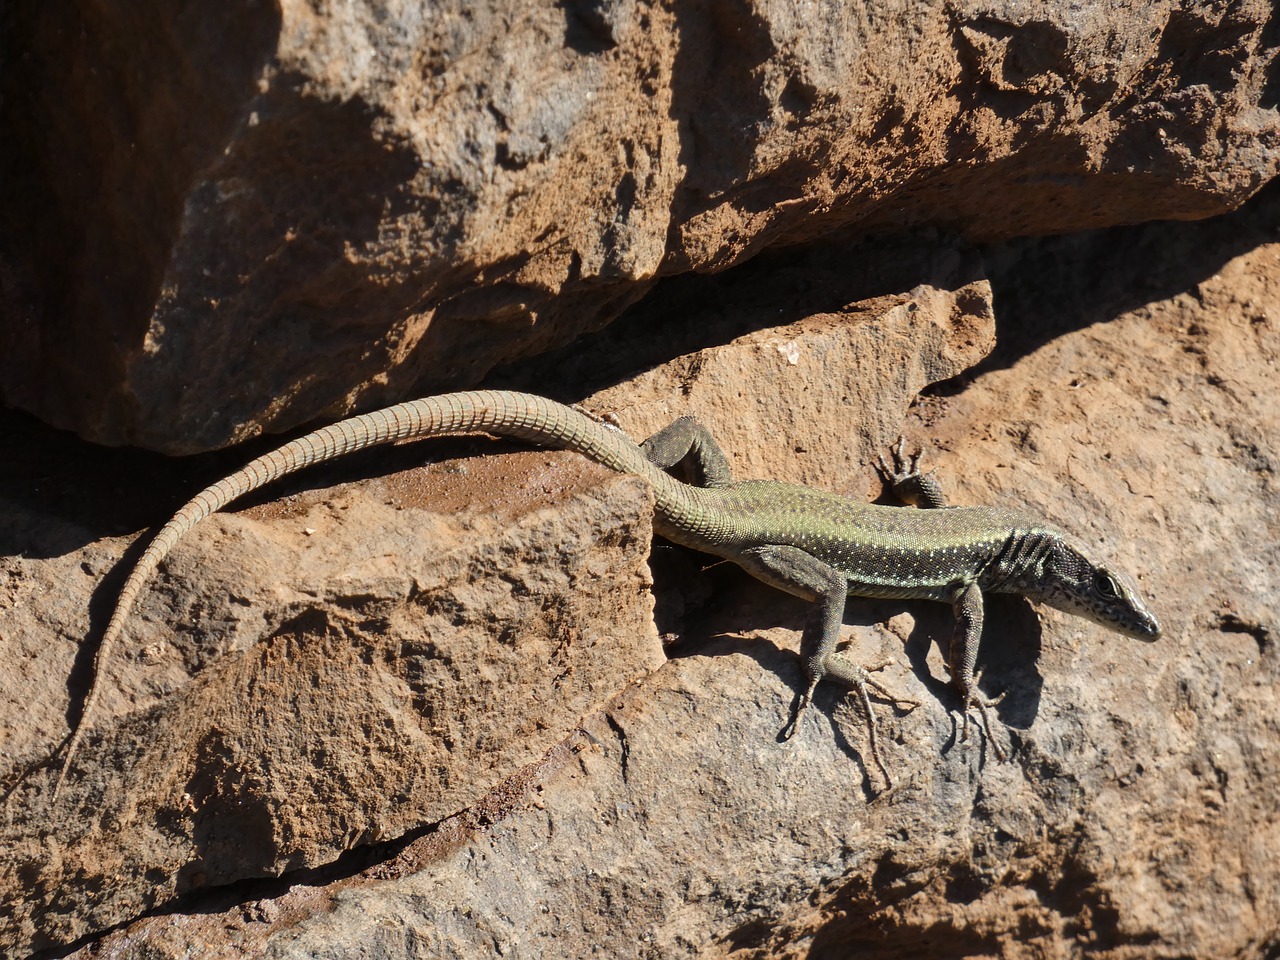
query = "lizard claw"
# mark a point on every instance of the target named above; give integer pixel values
(880, 688)
(903, 468)
(907, 462)
(797, 712)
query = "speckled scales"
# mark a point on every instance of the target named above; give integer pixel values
(885, 551)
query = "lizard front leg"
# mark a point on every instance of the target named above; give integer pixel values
(966, 602)
(906, 481)
(909, 485)
(804, 575)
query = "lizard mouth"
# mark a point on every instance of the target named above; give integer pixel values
(1147, 629)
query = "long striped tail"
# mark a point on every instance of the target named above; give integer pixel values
(503, 413)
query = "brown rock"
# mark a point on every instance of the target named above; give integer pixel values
(230, 220)
(368, 661)
(859, 368)
(340, 699)
(1134, 403)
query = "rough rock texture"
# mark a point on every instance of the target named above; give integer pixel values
(368, 661)
(1131, 400)
(224, 219)
(871, 358)
(365, 668)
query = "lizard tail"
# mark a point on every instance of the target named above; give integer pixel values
(503, 413)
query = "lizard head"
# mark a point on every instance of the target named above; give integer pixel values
(1075, 584)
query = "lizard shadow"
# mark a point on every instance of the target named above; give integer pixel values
(738, 605)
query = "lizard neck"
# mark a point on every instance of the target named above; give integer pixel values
(1019, 567)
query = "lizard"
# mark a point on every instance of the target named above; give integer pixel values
(816, 545)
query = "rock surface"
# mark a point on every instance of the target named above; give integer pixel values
(1131, 400)
(341, 696)
(431, 713)
(368, 661)
(329, 206)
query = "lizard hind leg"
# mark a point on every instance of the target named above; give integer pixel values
(687, 442)
(804, 575)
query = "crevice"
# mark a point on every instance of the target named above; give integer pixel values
(1109, 272)
(361, 865)
(347, 866)
(624, 758)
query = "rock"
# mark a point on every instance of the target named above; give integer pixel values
(368, 660)
(340, 697)
(1133, 402)
(871, 359)
(240, 219)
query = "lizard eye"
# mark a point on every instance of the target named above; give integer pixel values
(1106, 586)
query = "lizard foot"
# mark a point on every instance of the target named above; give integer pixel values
(905, 467)
(973, 701)
(859, 680)
(904, 479)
